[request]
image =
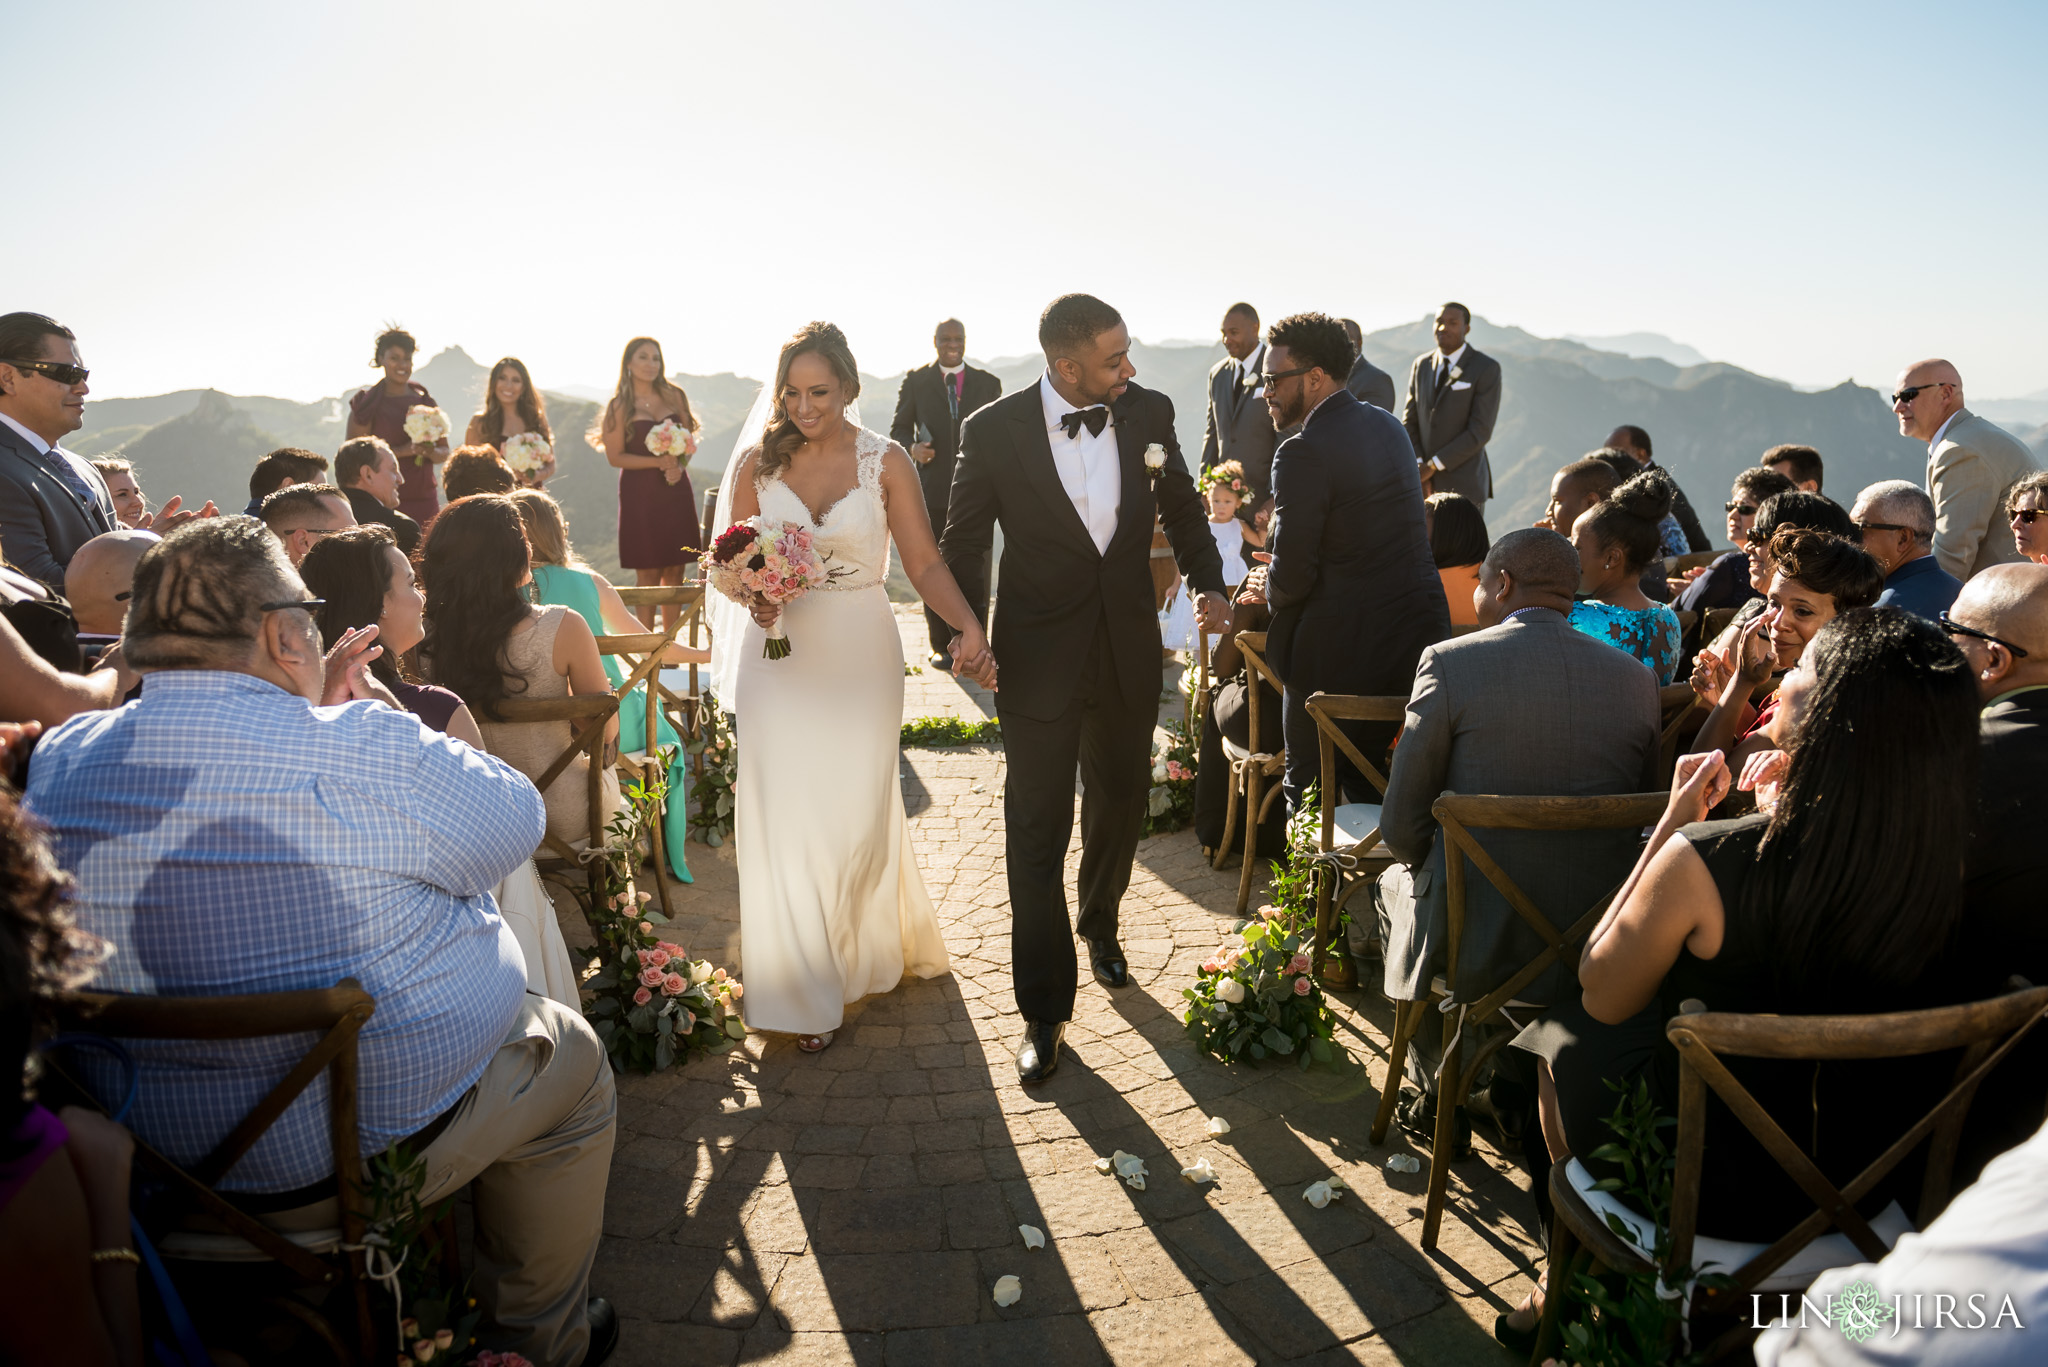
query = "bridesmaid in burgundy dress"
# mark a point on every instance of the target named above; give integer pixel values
(658, 530)
(511, 406)
(380, 410)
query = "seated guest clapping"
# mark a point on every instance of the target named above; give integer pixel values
(1616, 540)
(486, 643)
(1458, 543)
(1895, 523)
(231, 835)
(1815, 577)
(1726, 582)
(1526, 707)
(477, 470)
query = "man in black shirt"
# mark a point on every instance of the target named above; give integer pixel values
(368, 473)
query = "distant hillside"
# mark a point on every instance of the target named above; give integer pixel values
(1643, 344)
(1561, 397)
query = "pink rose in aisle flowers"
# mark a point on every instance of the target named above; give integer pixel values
(647, 927)
(658, 958)
(650, 977)
(735, 990)
(1298, 964)
(1301, 986)
(641, 996)
(674, 985)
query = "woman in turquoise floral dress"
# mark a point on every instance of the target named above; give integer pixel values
(1616, 539)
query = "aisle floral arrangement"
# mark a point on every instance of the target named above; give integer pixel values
(651, 1002)
(1257, 996)
(711, 794)
(1171, 803)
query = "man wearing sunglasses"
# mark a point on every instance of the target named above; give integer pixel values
(1970, 465)
(1895, 521)
(51, 501)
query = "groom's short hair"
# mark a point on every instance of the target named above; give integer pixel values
(1315, 339)
(1071, 322)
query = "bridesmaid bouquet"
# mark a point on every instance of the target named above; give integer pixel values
(424, 425)
(527, 453)
(671, 439)
(763, 560)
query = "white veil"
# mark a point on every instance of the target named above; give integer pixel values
(726, 619)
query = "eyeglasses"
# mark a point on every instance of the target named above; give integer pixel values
(1882, 527)
(1268, 377)
(2025, 516)
(1955, 628)
(1908, 395)
(57, 370)
(1753, 537)
(314, 532)
(307, 603)
(1745, 509)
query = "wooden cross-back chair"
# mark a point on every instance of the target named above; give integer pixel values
(1984, 1031)
(1675, 565)
(640, 655)
(555, 860)
(682, 706)
(1675, 703)
(1252, 768)
(1458, 816)
(193, 1220)
(1350, 852)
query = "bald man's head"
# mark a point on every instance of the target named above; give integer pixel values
(99, 577)
(1528, 568)
(1928, 394)
(2009, 602)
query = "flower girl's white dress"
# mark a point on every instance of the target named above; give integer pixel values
(832, 906)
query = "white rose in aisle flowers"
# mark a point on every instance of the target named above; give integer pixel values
(1230, 990)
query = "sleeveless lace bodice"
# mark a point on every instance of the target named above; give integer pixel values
(854, 533)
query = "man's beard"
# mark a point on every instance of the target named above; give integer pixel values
(1292, 411)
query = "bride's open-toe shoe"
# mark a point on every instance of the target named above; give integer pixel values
(815, 1044)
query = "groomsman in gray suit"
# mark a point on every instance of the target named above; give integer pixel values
(1453, 400)
(934, 400)
(1367, 382)
(1237, 426)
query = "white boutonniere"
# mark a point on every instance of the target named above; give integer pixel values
(1457, 372)
(1155, 461)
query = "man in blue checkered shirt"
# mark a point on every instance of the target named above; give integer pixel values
(231, 834)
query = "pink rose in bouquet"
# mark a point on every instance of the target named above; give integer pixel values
(650, 977)
(675, 443)
(674, 985)
(641, 996)
(763, 560)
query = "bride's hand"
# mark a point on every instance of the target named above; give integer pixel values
(765, 614)
(971, 657)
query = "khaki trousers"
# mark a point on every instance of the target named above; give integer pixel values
(535, 1136)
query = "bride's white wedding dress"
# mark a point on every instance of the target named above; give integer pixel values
(832, 905)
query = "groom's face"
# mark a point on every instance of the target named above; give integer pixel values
(1102, 370)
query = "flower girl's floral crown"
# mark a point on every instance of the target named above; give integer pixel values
(1217, 478)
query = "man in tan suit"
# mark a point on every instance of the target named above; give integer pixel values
(1237, 426)
(1970, 465)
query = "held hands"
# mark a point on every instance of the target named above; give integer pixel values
(972, 658)
(348, 669)
(1697, 786)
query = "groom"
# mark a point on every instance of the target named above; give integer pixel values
(1063, 465)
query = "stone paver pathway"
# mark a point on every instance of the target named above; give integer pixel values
(858, 1206)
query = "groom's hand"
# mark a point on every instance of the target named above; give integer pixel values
(1214, 613)
(977, 663)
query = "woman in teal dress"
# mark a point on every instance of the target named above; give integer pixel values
(560, 577)
(1616, 539)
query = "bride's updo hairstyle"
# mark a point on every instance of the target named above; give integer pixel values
(474, 560)
(781, 438)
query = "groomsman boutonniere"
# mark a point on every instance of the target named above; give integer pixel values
(1155, 461)
(1456, 372)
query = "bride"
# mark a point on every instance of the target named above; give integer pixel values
(832, 906)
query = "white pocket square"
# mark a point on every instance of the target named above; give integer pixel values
(1461, 384)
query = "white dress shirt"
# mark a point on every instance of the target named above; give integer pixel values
(78, 464)
(1248, 369)
(1934, 442)
(1088, 466)
(1446, 364)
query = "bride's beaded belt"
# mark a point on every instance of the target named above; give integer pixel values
(844, 586)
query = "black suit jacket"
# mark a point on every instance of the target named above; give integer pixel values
(922, 402)
(2005, 922)
(368, 510)
(1696, 538)
(1056, 589)
(42, 522)
(1355, 593)
(1454, 425)
(1369, 384)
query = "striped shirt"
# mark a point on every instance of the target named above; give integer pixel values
(230, 838)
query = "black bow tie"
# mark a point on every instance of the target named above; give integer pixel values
(1097, 418)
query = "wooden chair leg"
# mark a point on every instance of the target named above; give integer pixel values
(1229, 818)
(657, 828)
(1341, 975)
(1564, 1252)
(1251, 838)
(1448, 1090)
(1406, 1016)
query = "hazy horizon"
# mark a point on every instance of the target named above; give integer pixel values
(237, 198)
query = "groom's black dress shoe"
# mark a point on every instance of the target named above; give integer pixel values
(1039, 1054)
(1107, 958)
(604, 1331)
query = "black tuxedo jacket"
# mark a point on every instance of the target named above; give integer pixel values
(922, 399)
(1056, 589)
(1354, 591)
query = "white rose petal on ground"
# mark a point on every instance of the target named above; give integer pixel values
(1104, 1165)
(1034, 1237)
(1404, 1162)
(1199, 1171)
(1008, 1291)
(1218, 1127)
(1319, 1194)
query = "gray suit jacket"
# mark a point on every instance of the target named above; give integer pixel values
(1454, 426)
(42, 522)
(1528, 708)
(1238, 430)
(1369, 384)
(1968, 474)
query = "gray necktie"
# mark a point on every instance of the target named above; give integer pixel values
(75, 482)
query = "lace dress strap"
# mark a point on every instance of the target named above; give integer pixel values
(868, 449)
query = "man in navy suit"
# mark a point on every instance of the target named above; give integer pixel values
(1354, 591)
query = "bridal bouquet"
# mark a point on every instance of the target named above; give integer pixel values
(424, 425)
(671, 439)
(763, 560)
(527, 453)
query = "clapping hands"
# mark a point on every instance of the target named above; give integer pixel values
(173, 515)
(972, 658)
(1697, 786)
(348, 670)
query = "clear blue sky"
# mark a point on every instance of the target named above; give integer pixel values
(236, 195)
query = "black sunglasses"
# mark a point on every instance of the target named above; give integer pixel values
(1908, 395)
(1955, 628)
(1882, 527)
(307, 603)
(1269, 376)
(1746, 509)
(57, 370)
(2026, 516)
